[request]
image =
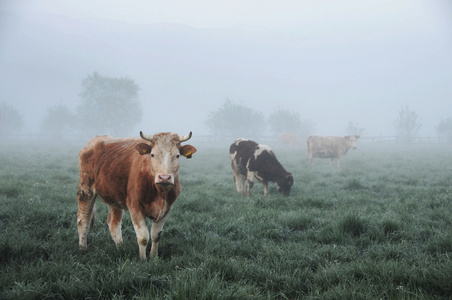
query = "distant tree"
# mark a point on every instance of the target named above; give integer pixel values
(236, 120)
(444, 129)
(287, 121)
(11, 121)
(307, 127)
(284, 121)
(353, 128)
(58, 122)
(407, 124)
(109, 105)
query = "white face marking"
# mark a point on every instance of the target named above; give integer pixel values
(165, 161)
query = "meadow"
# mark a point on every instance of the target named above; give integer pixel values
(378, 227)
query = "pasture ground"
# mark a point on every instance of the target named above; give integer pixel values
(379, 227)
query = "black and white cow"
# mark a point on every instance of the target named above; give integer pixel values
(250, 159)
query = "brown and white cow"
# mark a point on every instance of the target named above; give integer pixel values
(289, 139)
(250, 159)
(330, 147)
(140, 175)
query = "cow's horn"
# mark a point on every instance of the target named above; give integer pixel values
(185, 137)
(146, 137)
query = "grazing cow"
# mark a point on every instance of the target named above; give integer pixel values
(330, 147)
(132, 174)
(289, 139)
(249, 159)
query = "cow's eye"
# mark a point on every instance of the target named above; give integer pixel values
(177, 156)
(152, 155)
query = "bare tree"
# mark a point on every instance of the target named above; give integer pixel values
(407, 124)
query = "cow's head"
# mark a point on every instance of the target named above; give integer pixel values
(165, 150)
(284, 184)
(352, 140)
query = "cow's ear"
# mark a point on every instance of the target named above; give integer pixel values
(143, 148)
(187, 150)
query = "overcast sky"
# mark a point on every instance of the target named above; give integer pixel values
(282, 15)
(331, 61)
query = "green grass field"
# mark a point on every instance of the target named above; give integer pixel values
(379, 227)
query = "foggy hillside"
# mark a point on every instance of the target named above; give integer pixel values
(185, 72)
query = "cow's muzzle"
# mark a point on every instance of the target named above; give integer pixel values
(164, 179)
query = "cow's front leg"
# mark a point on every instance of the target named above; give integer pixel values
(142, 232)
(156, 231)
(239, 180)
(311, 160)
(114, 224)
(265, 184)
(250, 178)
(85, 215)
(240, 183)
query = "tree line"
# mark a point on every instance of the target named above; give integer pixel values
(111, 106)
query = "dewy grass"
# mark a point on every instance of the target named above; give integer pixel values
(378, 227)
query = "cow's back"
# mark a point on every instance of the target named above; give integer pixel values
(104, 151)
(105, 163)
(325, 146)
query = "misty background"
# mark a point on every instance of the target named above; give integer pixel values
(332, 62)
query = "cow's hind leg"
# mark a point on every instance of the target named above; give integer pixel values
(85, 215)
(114, 224)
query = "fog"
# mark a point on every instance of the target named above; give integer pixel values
(333, 62)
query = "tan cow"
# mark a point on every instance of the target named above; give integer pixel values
(139, 175)
(330, 147)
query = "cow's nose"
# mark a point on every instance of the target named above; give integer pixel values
(164, 179)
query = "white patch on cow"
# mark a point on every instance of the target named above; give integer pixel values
(165, 164)
(142, 233)
(258, 177)
(156, 230)
(260, 149)
(233, 155)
